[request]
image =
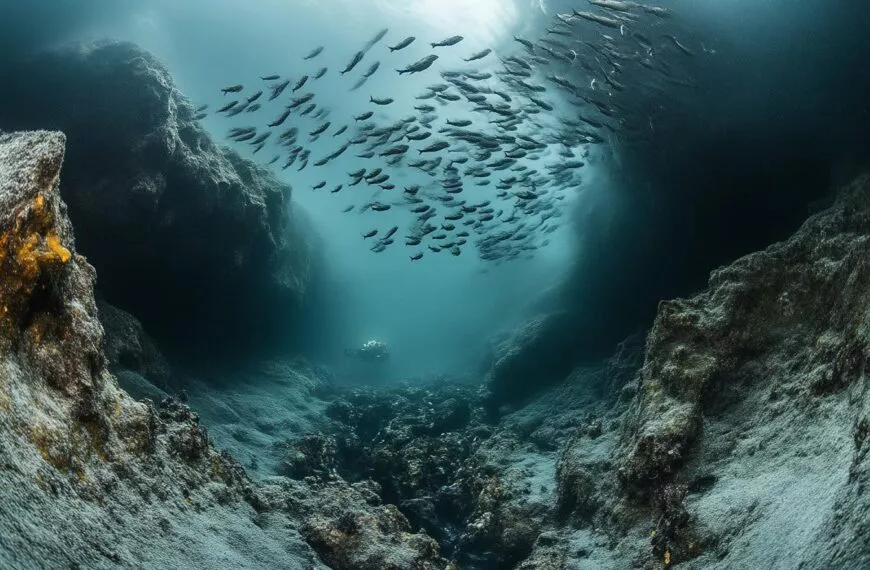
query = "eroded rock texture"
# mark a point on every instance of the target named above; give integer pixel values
(195, 241)
(749, 436)
(92, 478)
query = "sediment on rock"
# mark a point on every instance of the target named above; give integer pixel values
(760, 378)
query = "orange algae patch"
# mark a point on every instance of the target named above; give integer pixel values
(29, 248)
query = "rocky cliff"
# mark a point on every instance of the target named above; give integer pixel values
(742, 440)
(750, 434)
(92, 478)
(195, 241)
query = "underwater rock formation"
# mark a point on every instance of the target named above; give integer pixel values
(528, 360)
(129, 349)
(749, 435)
(198, 243)
(92, 478)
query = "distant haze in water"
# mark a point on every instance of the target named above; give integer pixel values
(780, 111)
(437, 314)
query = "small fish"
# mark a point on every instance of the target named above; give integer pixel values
(278, 89)
(462, 123)
(378, 37)
(379, 101)
(281, 118)
(379, 207)
(232, 89)
(598, 19)
(340, 131)
(201, 109)
(372, 69)
(319, 130)
(300, 83)
(319, 185)
(434, 147)
(369, 234)
(364, 117)
(336, 189)
(526, 43)
(451, 41)
(366, 154)
(347, 209)
(357, 57)
(360, 82)
(401, 149)
(321, 72)
(228, 106)
(403, 44)
(680, 46)
(255, 96)
(417, 256)
(314, 53)
(479, 55)
(261, 138)
(253, 108)
(390, 233)
(419, 137)
(270, 77)
(301, 100)
(419, 65)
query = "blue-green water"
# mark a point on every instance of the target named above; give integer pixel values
(669, 86)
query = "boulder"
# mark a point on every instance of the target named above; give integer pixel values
(200, 244)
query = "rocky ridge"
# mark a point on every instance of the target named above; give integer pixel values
(95, 479)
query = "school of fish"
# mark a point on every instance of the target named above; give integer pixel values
(599, 75)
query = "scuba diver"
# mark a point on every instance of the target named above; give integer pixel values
(372, 351)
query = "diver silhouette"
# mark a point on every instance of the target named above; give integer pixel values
(371, 351)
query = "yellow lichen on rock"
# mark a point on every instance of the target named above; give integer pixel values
(53, 244)
(30, 249)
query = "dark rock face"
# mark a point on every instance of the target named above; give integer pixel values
(532, 358)
(130, 348)
(92, 478)
(196, 242)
